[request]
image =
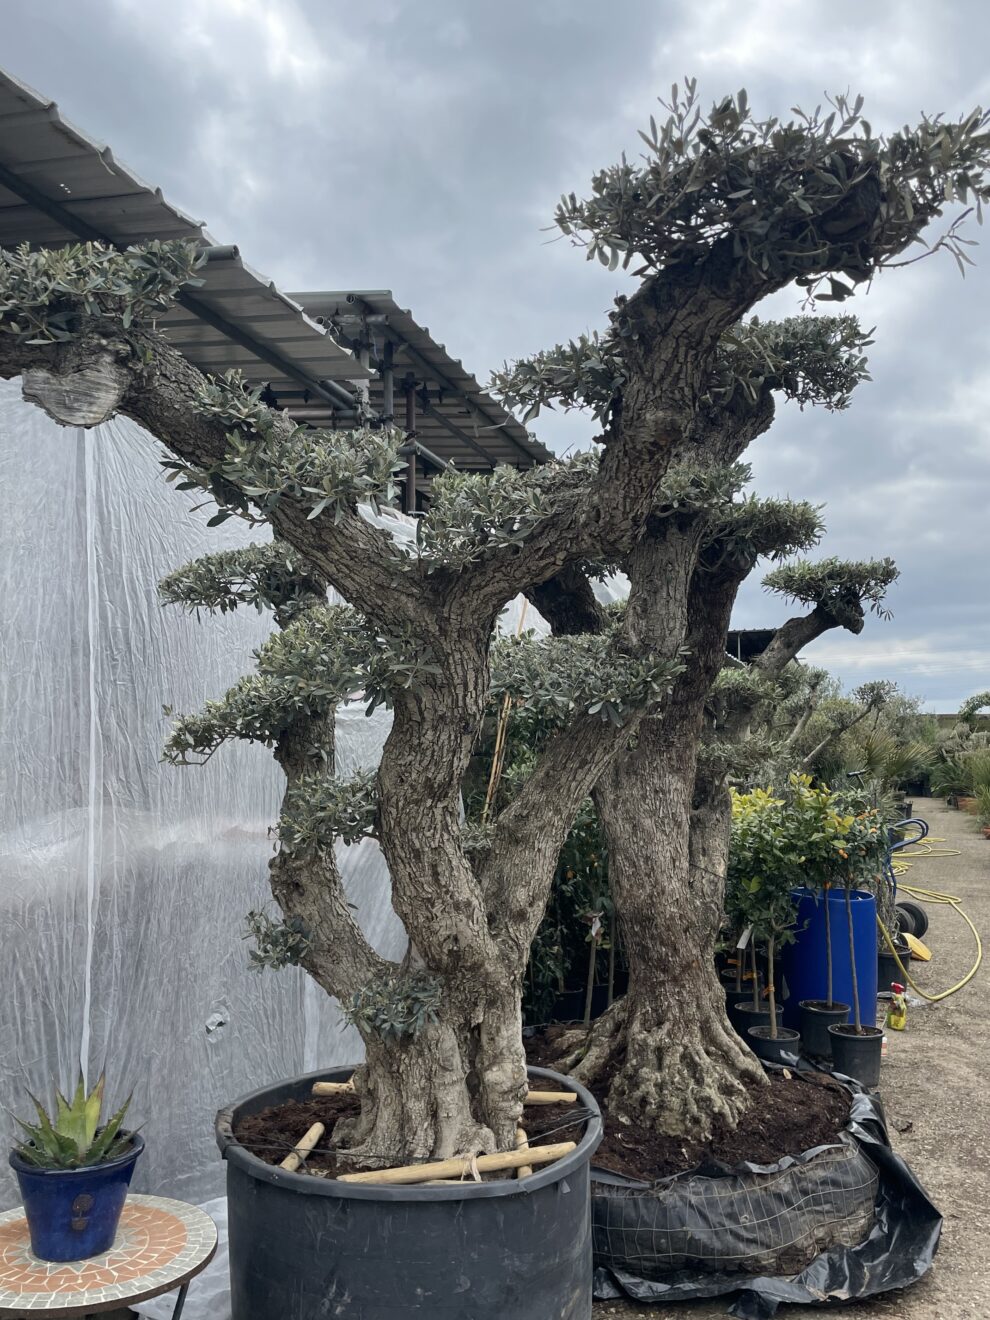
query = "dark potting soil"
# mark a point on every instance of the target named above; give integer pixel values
(792, 1115)
(272, 1133)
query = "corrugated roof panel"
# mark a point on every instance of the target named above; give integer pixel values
(58, 186)
(374, 317)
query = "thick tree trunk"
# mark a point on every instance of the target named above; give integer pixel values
(453, 1089)
(676, 1059)
(673, 1056)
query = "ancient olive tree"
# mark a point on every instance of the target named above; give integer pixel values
(666, 1048)
(724, 210)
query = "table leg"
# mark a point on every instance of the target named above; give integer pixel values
(180, 1301)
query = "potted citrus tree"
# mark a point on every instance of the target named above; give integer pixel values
(73, 1172)
(762, 861)
(825, 831)
(856, 1048)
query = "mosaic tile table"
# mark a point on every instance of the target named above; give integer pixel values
(160, 1245)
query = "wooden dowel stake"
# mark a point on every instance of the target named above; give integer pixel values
(457, 1168)
(522, 1143)
(295, 1158)
(532, 1097)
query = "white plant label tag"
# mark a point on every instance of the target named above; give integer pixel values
(745, 937)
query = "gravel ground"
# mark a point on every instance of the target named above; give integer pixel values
(934, 1087)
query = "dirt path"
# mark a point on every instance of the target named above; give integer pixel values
(934, 1086)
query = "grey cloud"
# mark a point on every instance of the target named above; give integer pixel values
(422, 147)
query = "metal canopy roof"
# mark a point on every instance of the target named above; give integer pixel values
(58, 186)
(454, 417)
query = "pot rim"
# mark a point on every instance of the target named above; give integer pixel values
(849, 1032)
(22, 1166)
(236, 1154)
(783, 1033)
(743, 1007)
(821, 1006)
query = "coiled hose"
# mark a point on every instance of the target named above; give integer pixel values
(900, 865)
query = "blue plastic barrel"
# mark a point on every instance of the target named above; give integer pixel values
(802, 964)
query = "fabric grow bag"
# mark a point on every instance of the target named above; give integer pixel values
(752, 1231)
(307, 1248)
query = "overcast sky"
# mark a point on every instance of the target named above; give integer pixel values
(420, 146)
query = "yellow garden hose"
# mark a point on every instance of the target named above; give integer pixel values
(901, 865)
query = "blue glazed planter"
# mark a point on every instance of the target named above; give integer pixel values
(73, 1214)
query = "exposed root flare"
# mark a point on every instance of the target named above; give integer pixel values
(683, 1077)
(589, 1057)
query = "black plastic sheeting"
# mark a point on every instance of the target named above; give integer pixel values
(897, 1251)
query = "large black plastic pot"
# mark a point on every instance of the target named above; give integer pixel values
(816, 1018)
(857, 1056)
(310, 1248)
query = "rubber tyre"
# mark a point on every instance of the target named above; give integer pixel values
(917, 915)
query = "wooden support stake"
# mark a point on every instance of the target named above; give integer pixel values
(420, 1173)
(333, 1088)
(532, 1097)
(522, 1143)
(293, 1160)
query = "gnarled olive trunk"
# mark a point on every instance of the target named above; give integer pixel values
(454, 1089)
(674, 1056)
(671, 1053)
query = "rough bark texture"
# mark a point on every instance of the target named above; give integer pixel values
(681, 1064)
(669, 1054)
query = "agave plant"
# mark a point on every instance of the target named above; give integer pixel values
(75, 1139)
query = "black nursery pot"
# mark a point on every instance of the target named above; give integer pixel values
(308, 1248)
(734, 996)
(887, 968)
(744, 1016)
(772, 1050)
(857, 1056)
(816, 1018)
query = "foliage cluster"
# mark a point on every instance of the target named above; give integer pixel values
(836, 585)
(396, 1005)
(278, 944)
(318, 810)
(786, 195)
(805, 835)
(323, 471)
(559, 677)
(273, 576)
(47, 295)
